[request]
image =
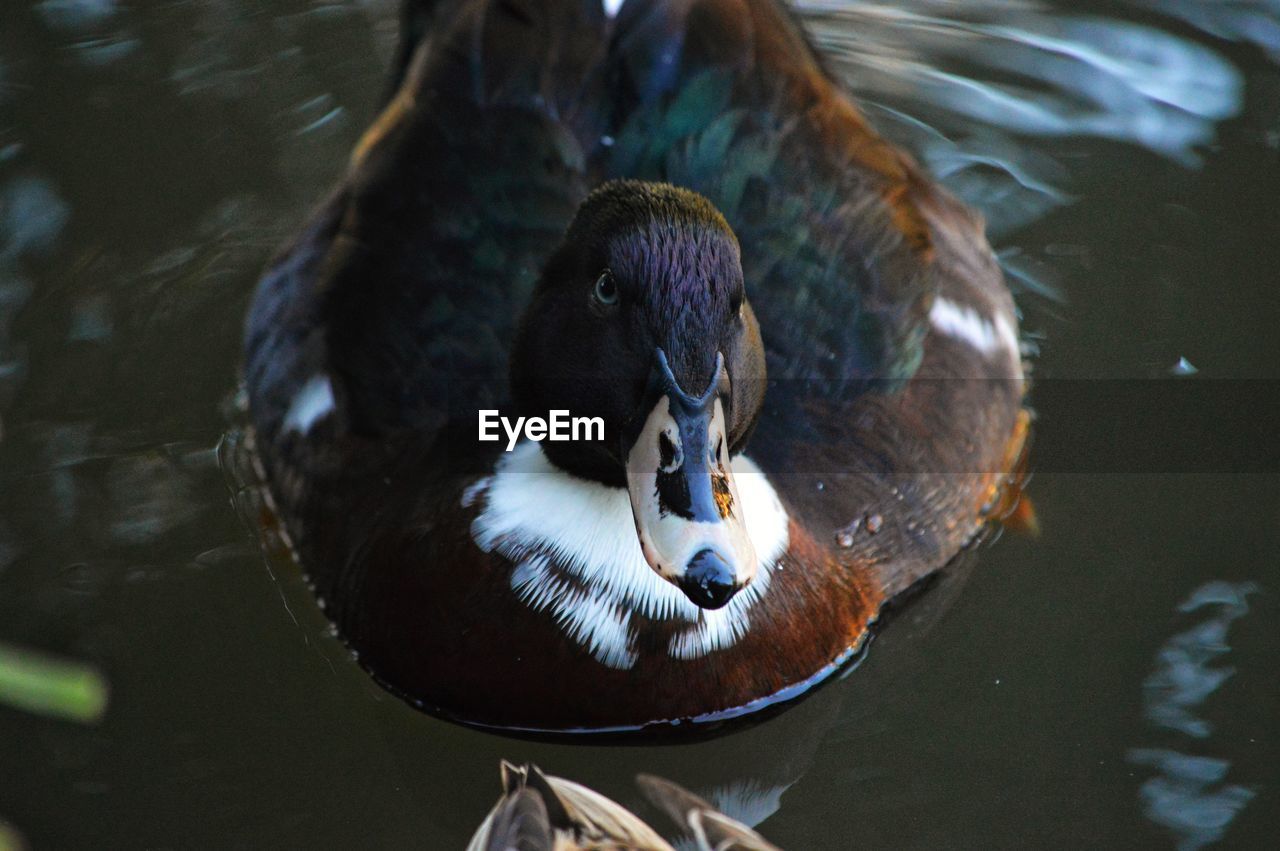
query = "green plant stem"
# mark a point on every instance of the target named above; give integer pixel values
(48, 686)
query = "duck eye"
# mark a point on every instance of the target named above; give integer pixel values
(606, 291)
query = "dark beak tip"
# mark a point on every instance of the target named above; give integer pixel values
(709, 581)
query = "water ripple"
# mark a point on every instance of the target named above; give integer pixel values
(973, 79)
(1188, 794)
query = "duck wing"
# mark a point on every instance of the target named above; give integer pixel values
(710, 828)
(539, 808)
(518, 822)
(728, 98)
(403, 291)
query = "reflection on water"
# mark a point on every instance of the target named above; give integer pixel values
(1184, 795)
(1188, 794)
(960, 82)
(1183, 677)
(31, 217)
(1253, 21)
(152, 156)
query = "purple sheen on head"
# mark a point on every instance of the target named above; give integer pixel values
(675, 260)
(683, 278)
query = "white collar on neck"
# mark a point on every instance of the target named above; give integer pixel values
(573, 543)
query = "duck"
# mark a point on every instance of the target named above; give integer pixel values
(795, 354)
(541, 812)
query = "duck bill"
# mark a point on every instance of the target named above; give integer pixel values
(683, 497)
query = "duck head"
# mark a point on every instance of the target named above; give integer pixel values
(641, 318)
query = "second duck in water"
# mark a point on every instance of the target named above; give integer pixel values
(538, 812)
(670, 219)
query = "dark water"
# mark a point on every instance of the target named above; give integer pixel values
(1111, 683)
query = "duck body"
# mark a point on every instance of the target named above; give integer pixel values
(876, 376)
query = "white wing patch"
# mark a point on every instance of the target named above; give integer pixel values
(577, 555)
(988, 336)
(311, 404)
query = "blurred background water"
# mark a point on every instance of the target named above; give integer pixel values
(1109, 684)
